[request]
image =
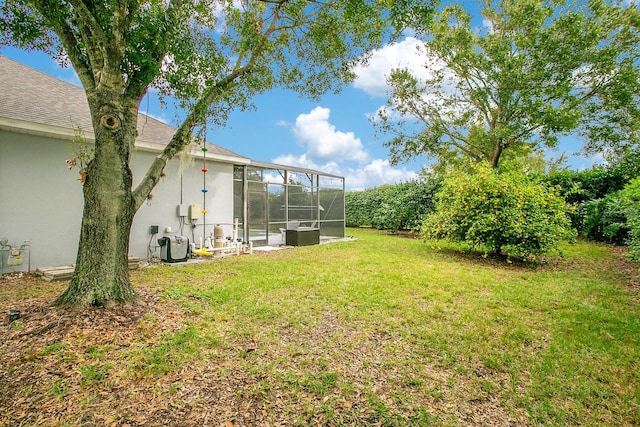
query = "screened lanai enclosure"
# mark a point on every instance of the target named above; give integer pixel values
(274, 198)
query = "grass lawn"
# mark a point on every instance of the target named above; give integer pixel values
(382, 330)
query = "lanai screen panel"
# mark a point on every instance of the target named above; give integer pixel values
(273, 198)
(331, 206)
(277, 210)
(302, 197)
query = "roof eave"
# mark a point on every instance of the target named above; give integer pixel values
(58, 132)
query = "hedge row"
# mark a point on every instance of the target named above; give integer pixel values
(602, 210)
(392, 207)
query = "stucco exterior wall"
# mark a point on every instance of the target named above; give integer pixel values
(182, 184)
(41, 200)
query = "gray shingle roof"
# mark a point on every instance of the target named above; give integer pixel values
(32, 96)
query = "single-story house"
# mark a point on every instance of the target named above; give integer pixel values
(41, 197)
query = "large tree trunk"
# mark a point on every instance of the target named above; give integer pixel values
(101, 275)
(496, 152)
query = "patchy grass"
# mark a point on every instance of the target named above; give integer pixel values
(378, 331)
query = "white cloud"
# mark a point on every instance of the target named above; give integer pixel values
(384, 111)
(323, 141)
(273, 177)
(409, 53)
(331, 151)
(376, 173)
(303, 161)
(413, 55)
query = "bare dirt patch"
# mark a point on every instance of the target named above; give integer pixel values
(61, 366)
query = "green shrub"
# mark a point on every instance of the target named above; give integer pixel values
(505, 213)
(604, 220)
(630, 203)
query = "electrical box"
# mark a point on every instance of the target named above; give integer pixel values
(183, 210)
(153, 229)
(174, 250)
(15, 257)
(194, 212)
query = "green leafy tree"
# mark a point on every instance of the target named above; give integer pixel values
(533, 72)
(505, 213)
(211, 56)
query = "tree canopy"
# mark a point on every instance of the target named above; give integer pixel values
(531, 72)
(211, 56)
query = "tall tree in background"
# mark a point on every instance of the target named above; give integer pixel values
(531, 72)
(212, 56)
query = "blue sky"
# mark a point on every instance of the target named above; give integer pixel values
(332, 135)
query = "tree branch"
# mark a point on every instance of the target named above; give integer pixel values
(94, 38)
(140, 78)
(69, 40)
(462, 143)
(181, 138)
